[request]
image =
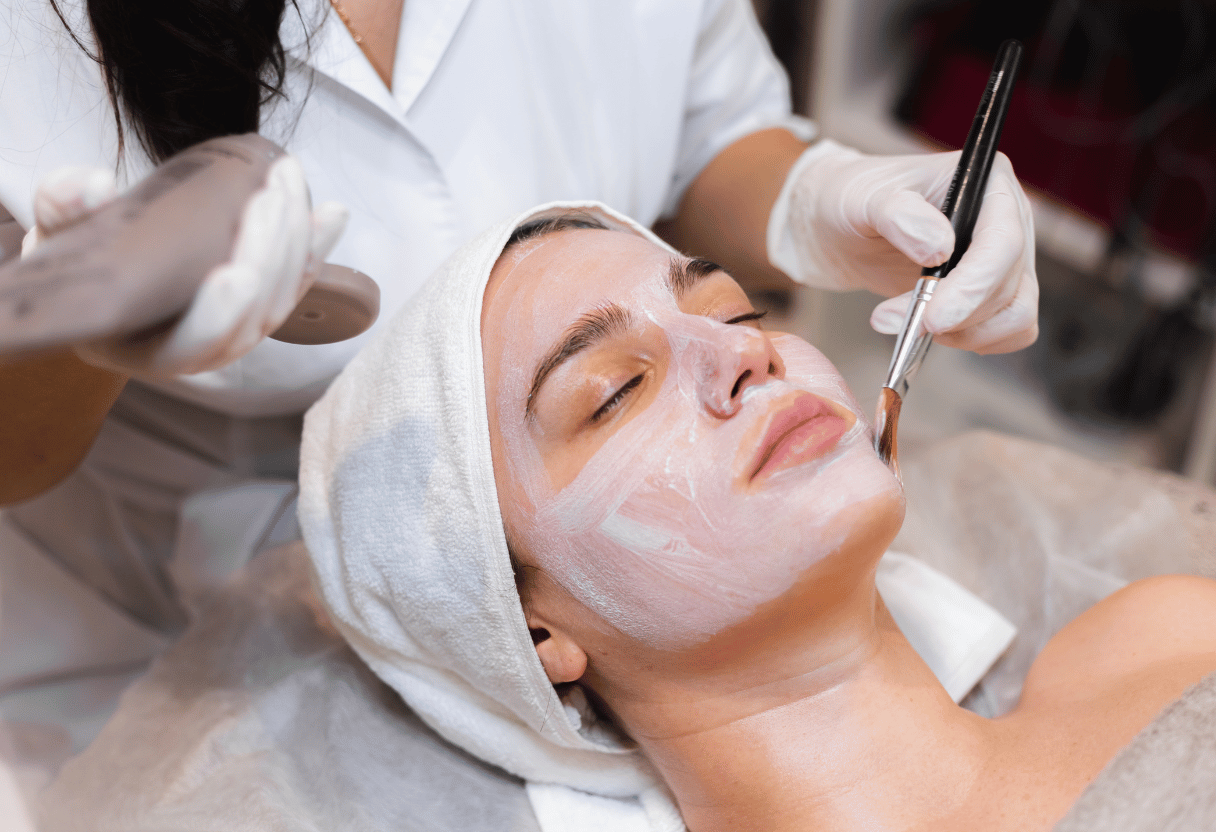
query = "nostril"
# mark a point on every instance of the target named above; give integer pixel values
(772, 368)
(734, 391)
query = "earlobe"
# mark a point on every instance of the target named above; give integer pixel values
(563, 660)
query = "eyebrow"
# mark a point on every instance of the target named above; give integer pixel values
(684, 274)
(585, 333)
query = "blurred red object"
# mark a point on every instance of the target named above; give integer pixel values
(1095, 144)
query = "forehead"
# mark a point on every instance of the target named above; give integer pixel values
(566, 272)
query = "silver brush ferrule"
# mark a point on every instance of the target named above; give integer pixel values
(913, 340)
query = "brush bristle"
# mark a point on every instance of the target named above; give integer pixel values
(886, 423)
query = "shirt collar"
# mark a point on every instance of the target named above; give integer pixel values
(317, 37)
(427, 30)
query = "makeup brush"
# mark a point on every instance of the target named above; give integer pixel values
(962, 206)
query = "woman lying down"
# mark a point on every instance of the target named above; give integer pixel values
(600, 528)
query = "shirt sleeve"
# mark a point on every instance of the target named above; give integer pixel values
(735, 87)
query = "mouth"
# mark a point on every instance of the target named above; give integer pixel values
(801, 431)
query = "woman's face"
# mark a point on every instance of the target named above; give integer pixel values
(664, 460)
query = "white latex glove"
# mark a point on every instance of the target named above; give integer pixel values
(845, 220)
(279, 247)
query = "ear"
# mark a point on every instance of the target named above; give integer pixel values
(562, 658)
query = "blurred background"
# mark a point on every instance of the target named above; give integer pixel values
(1111, 130)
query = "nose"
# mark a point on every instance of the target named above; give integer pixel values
(731, 359)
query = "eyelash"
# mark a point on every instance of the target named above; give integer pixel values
(619, 396)
(750, 316)
(616, 398)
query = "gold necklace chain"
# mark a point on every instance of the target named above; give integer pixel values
(345, 18)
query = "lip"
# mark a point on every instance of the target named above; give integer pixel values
(805, 429)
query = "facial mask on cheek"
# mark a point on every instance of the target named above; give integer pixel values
(655, 534)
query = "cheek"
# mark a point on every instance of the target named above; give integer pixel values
(624, 537)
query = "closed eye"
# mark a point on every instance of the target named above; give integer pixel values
(616, 398)
(750, 316)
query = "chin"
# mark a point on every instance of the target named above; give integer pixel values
(866, 509)
(875, 522)
(823, 587)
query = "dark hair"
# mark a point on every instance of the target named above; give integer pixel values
(184, 71)
(551, 225)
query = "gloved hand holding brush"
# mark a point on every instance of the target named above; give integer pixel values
(846, 220)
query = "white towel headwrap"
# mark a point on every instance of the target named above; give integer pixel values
(400, 514)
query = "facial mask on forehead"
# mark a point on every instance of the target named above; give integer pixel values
(656, 534)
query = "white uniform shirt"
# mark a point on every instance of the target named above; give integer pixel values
(496, 105)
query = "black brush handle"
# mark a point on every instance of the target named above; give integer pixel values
(966, 192)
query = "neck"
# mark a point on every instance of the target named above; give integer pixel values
(374, 25)
(861, 737)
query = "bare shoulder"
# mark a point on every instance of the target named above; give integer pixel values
(1158, 633)
(1103, 678)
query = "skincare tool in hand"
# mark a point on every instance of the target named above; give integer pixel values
(962, 206)
(134, 265)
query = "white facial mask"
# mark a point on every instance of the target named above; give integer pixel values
(661, 533)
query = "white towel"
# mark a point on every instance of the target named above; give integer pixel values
(958, 635)
(400, 514)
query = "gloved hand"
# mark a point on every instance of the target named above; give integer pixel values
(280, 245)
(845, 220)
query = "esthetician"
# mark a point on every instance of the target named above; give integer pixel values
(428, 121)
(609, 534)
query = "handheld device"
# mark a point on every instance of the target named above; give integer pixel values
(133, 266)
